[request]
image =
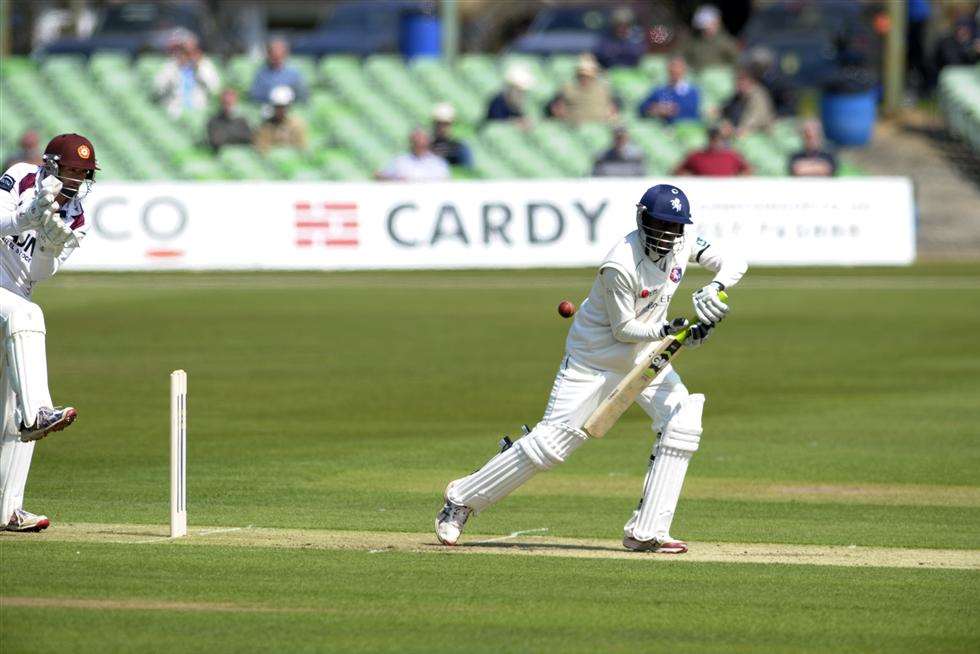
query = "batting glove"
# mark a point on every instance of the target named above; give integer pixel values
(675, 326)
(697, 335)
(708, 306)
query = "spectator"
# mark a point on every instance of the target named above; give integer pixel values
(762, 65)
(750, 109)
(30, 150)
(509, 103)
(443, 144)
(961, 47)
(281, 129)
(276, 73)
(188, 80)
(918, 66)
(625, 45)
(710, 45)
(418, 165)
(678, 100)
(623, 159)
(228, 127)
(812, 160)
(716, 160)
(587, 99)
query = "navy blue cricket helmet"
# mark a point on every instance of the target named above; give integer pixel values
(660, 218)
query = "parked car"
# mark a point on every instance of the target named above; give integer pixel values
(360, 28)
(136, 27)
(813, 39)
(566, 30)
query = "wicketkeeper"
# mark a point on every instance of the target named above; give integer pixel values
(625, 310)
(41, 224)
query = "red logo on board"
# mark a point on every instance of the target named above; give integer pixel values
(330, 224)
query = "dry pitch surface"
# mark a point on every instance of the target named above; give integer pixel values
(534, 542)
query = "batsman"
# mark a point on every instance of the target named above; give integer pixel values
(616, 326)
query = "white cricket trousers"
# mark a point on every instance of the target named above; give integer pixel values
(577, 391)
(15, 457)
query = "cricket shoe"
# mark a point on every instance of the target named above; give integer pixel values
(450, 521)
(665, 546)
(27, 521)
(48, 421)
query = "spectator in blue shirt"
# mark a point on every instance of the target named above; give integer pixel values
(678, 100)
(276, 73)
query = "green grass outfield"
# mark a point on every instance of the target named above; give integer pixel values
(841, 454)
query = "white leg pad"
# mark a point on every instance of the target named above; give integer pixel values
(662, 487)
(15, 457)
(27, 363)
(546, 446)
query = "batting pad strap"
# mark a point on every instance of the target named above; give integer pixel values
(549, 444)
(683, 430)
(26, 318)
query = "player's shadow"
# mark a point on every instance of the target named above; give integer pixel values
(567, 547)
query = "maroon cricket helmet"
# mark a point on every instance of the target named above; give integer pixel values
(72, 150)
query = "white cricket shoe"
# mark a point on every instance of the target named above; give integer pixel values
(450, 522)
(49, 420)
(26, 521)
(665, 546)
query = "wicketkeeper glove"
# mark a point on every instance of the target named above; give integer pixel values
(53, 233)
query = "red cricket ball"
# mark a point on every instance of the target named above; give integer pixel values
(566, 309)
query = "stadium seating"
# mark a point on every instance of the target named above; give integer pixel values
(361, 111)
(959, 97)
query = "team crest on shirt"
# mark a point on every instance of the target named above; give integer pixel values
(675, 274)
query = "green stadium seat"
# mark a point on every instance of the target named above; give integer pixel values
(594, 137)
(481, 73)
(106, 61)
(306, 65)
(339, 165)
(691, 134)
(631, 85)
(147, 67)
(556, 140)
(717, 83)
(240, 72)
(443, 85)
(334, 66)
(243, 162)
(390, 75)
(561, 68)
(654, 67)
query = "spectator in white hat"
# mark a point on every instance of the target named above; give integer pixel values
(509, 103)
(281, 128)
(588, 99)
(710, 44)
(443, 144)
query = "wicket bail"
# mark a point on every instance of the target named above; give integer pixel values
(178, 454)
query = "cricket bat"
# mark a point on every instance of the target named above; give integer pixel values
(653, 359)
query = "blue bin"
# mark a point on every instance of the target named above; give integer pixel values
(848, 118)
(419, 35)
